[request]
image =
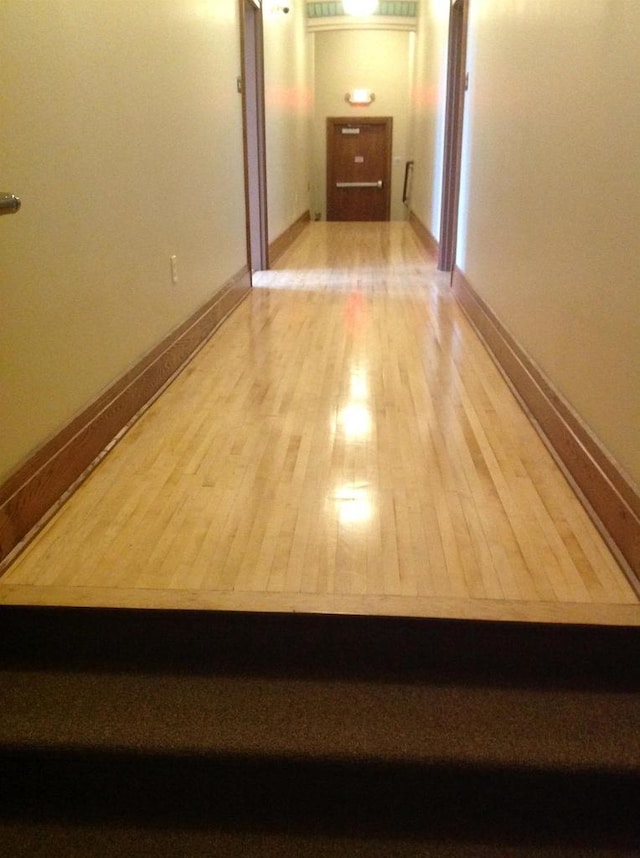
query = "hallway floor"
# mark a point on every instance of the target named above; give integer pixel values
(343, 443)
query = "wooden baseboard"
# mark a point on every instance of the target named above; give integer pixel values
(424, 235)
(38, 486)
(278, 246)
(607, 493)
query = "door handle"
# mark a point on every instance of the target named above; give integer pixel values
(9, 203)
(377, 184)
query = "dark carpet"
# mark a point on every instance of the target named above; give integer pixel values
(193, 733)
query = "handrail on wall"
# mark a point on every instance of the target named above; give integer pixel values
(408, 172)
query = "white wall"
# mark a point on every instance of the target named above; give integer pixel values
(551, 197)
(122, 135)
(380, 61)
(289, 112)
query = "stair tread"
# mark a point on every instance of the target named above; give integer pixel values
(320, 719)
(48, 838)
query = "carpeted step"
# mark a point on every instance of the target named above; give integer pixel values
(315, 733)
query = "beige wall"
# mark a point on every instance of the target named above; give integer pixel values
(550, 201)
(289, 111)
(551, 197)
(121, 117)
(379, 60)
(428, 96)
(122, 133)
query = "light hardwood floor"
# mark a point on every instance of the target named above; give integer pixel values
(342, 443)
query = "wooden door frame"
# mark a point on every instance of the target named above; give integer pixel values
(254, 134)
(387, 121)
(456, 86)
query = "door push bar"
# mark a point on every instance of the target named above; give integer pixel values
(377, 184)
(9, 203)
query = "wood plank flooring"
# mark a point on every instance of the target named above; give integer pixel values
(343, 442)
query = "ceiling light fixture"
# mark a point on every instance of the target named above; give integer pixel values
(359, 7)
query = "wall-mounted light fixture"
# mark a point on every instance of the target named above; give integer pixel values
(359, 7)
(360, 96)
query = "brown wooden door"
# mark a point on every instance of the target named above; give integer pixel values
(359, 168)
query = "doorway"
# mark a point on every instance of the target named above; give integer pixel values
(255, 172)
(359, 168)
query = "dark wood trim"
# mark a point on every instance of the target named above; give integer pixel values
(35, 489)
(454, 116)
(278, 246)
(608, 494)
(425, 237)
(254, 133)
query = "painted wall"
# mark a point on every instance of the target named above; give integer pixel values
(289, 113)
(551, 197)
(379, 60)
(122, 135)
(428, 98)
